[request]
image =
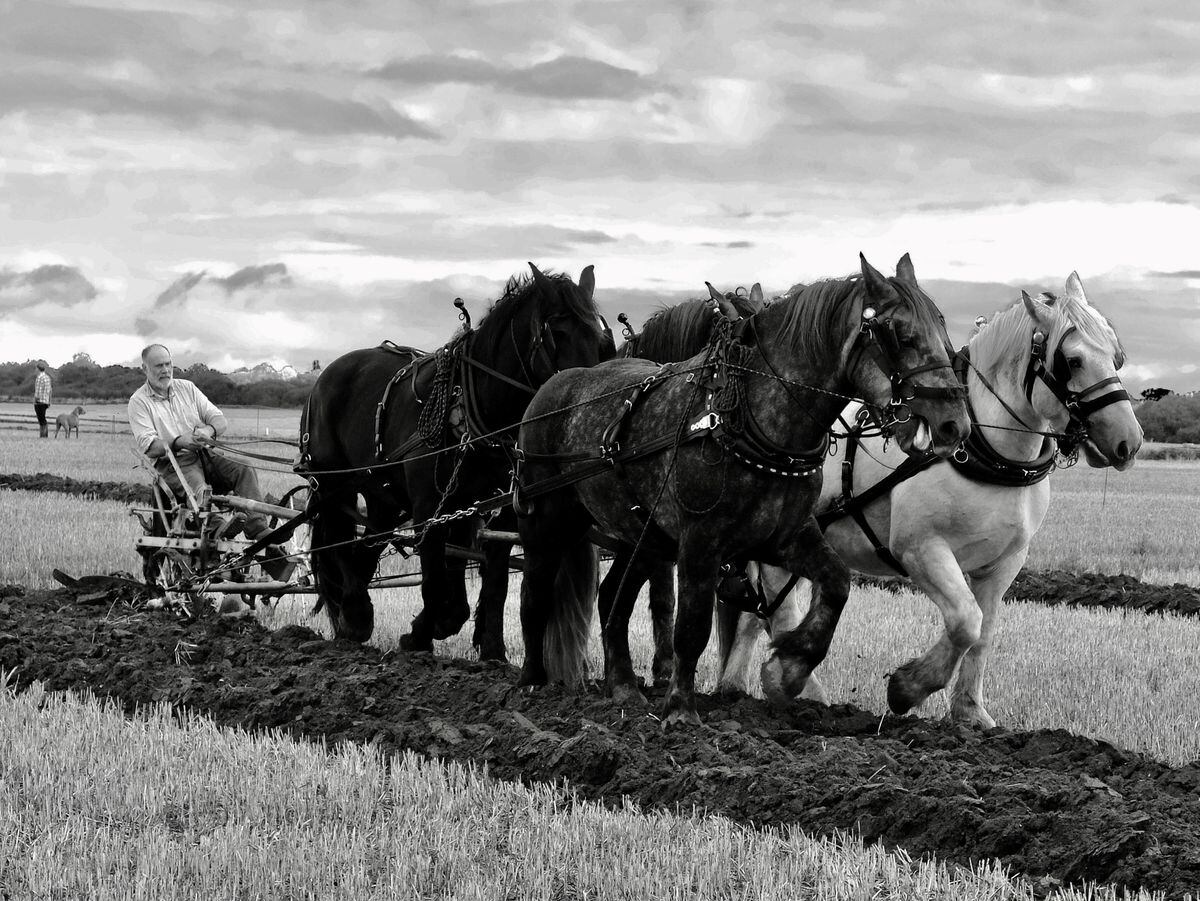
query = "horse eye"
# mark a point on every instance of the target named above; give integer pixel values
(1075, 362)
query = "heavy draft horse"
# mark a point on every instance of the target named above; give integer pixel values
(961, 529)
(671, 333)
(390, 435)
(713, 458)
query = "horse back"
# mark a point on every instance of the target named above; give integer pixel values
(340, 417)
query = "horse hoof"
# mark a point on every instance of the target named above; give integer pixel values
(782, 681)
(446, 628)
(968, 713)
(412, 644)
(681, 719)
(902, 693)
(629, 696)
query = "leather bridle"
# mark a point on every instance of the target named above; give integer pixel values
(1057, 378)
(877, 338)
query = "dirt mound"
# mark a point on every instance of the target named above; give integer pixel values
(103, 491)
(1054, 806)
(1112, 592)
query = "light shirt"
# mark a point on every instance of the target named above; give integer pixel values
(41, 389)
(166, 418)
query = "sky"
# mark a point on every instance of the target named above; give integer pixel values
(285, 183)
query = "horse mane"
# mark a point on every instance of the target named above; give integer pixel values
(1007, 334)
(810, 318)
(678, 331)
(556, 290)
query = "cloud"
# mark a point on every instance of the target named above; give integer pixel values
(177, 291)
(273, 274)
(53, 283)
(562, 78)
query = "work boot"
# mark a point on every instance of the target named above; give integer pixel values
(45, 431)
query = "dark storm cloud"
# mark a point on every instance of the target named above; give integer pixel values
(54, 283)
(563, 78)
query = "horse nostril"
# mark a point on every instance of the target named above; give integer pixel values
(1123, 451)
(949, 430)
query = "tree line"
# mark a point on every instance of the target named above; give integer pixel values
(84, 380)
(1168, 417)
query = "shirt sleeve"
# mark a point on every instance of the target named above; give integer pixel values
(205, 408)
(141, 423)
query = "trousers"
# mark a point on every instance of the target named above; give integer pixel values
(40, 411)
(223, 476)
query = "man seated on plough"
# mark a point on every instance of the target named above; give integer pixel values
(172, 417)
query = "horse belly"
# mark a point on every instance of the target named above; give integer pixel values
(981, 524)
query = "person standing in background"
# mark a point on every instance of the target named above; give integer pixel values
(41, 399)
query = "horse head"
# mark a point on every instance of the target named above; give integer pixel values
(1071, 377)
(562, 326)
(897, 356)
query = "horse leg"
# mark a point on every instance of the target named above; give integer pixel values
(698, 569)
(553, 538)
(662, 618)
(618, 595)
(787, 617)
(798, 652)
(342, 573)
(934, 569)
(966, 701)
(444, 598)
(488, 637)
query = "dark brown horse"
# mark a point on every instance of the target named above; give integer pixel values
(391, 435)
(716, 458)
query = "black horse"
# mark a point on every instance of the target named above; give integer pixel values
(671, 333)
(713, 459)
(390, 434)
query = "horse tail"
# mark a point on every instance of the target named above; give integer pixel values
(570, 623)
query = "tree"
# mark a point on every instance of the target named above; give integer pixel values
(1155, 393)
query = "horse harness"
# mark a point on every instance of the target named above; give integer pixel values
(1057, 378)
(976, 459)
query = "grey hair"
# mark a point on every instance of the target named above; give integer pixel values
(149, 347)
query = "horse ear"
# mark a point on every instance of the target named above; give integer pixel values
(728, 310)
(756, 296)
(1036, 310)
(1075, 288)
(537, 273)
(905, 271)
(877, 286)
(587, 281)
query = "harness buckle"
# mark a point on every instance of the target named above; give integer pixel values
(961, 455)
(706, 422)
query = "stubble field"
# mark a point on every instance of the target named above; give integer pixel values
(1127, 678)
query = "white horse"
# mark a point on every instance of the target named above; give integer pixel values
(962, 540)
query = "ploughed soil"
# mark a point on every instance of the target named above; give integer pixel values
(1044, 587)
(1053, 806)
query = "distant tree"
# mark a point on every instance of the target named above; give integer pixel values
(1155, 393)
(1175, 418)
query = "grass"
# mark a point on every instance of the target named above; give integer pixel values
(94, 804)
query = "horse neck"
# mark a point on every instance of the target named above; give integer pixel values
(1014, 441)
(496, 400)
(799, 411)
